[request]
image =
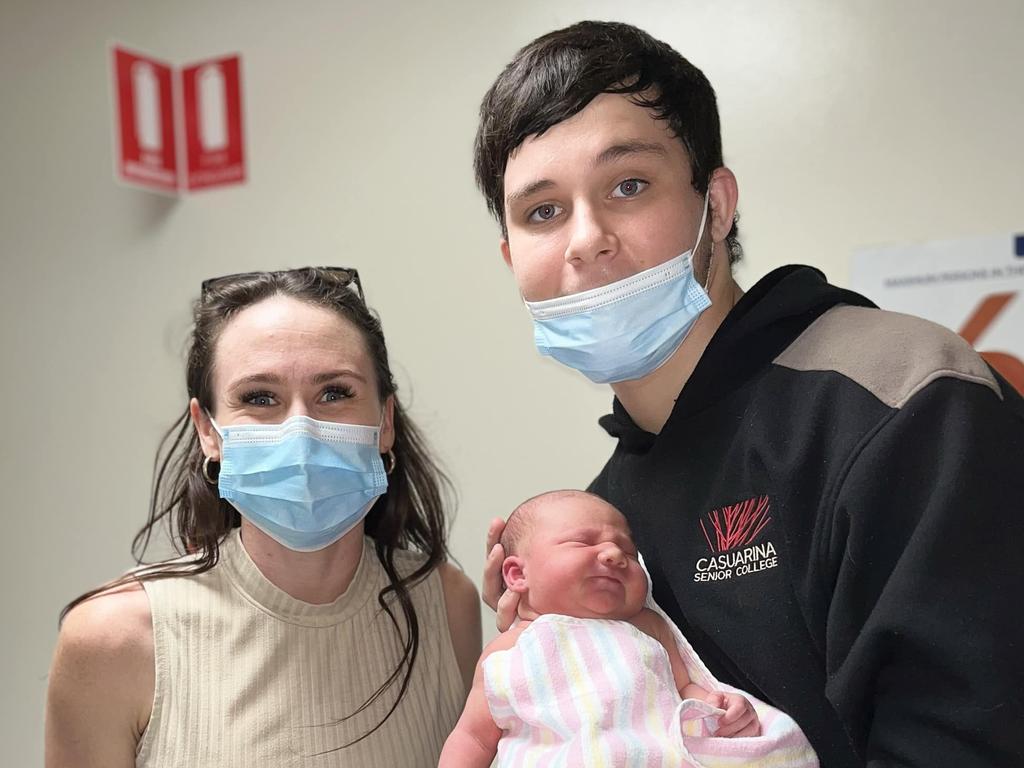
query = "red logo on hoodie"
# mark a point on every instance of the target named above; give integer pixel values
(737, 525)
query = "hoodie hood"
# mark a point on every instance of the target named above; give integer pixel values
(766, 320)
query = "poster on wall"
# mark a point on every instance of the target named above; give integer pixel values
(162, 113)
(974, 286)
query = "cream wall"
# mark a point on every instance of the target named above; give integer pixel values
(847, 123)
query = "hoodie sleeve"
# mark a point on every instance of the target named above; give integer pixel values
(925, 631)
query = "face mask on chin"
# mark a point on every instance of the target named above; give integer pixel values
(627, 329)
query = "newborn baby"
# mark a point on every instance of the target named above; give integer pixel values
(588, 675)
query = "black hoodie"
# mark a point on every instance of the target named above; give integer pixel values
(833, 514)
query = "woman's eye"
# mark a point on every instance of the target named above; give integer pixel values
(333, 394)
(630, 188)
(260, 399)
(544, 213)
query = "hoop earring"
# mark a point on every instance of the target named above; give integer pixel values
(389, 467)
(206, 472)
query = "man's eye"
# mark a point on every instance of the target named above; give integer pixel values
(630, 188)
(544, 212)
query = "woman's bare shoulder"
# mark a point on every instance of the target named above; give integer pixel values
(458, 587)
(117, 619)
(101, 683)
(109, 638)
(462, 603)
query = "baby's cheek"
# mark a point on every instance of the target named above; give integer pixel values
(636, 580)
(638, 586)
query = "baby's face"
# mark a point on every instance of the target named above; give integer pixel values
(581, 561)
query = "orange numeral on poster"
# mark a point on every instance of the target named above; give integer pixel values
(1009, 366)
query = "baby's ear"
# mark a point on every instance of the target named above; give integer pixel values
(513, 573)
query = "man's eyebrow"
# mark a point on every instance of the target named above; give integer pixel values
(630, 147)
(530, 189)
(608, 155)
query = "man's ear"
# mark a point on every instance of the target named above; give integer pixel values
(724, 194)
(506, 254)
(513, 573)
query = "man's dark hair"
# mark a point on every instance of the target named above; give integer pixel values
(558, 75)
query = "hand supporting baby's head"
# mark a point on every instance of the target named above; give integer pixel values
(571, 552)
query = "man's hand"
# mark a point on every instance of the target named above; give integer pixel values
(505, 602)
(739, 719)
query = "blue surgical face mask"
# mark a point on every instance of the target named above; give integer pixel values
(305, 483)
(627, 329)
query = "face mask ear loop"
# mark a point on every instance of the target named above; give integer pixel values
(389, 466)
(216, 429)
(700, 235)
(214, 423)
(383, 418)
(206, 461)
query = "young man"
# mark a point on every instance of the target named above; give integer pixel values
(828, 496)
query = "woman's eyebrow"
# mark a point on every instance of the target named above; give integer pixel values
(323, 378)
(256, 378)
(273, 378)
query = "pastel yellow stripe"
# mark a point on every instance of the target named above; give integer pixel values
(576, 670)
(655, 724)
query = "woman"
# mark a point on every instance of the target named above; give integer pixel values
(298, 629)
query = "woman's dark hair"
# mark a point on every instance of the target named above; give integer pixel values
(558, 75)
(411, 514)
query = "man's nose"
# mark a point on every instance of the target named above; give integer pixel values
(590, 238)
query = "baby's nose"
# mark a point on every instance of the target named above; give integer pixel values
(612, 556)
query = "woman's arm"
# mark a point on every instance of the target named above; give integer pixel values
(100, 692)
(463, 605)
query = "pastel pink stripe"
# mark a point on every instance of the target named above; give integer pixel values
(601, 670)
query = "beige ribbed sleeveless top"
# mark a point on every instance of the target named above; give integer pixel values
(247, 675)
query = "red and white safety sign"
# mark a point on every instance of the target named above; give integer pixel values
(144, 133)
(160, 115)
(212, 96)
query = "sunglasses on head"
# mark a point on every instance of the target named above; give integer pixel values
(343, 276)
